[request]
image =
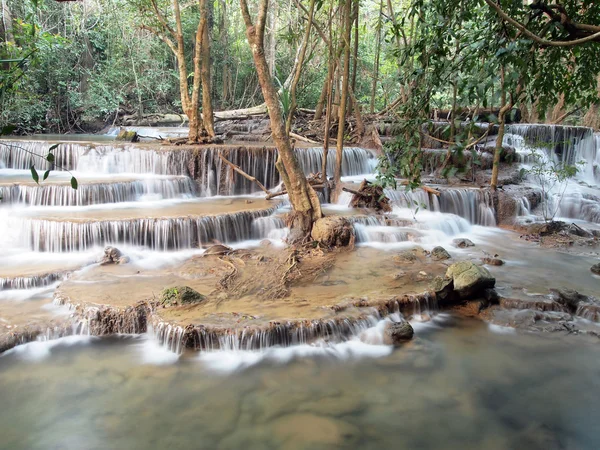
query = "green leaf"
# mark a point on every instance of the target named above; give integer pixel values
(35, 175)
(50, 157)
(46, 173)
(55, 146)
(74, 182)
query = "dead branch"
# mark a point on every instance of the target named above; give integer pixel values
(244, 174)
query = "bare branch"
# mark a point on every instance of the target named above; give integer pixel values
(518, 25)
(161, 36)
(162, 19)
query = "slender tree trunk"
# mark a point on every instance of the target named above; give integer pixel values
(377, 52)
(299, 64)
(329, 92)
(355, 50)
(506, 106)
(343, 101)
(273, 37)
(207, 108)
(305, 202)
(7, 24)
(224, 39)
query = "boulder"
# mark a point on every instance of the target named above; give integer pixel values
(127, 136)
(440, 254)
(469, 280)
(397, 333)
(113, 255)
(180, 295)
(462, 243)
(333, 231)
(595, 269)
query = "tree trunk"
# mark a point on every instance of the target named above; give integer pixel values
(506, 106)
(224, 38)
(207, 109)
(355, 50)
(299, 63)
(343, 101)
(377, 52)
(305, 202)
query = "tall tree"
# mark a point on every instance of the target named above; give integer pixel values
(201, 127)
(305, 202)
(346, 36)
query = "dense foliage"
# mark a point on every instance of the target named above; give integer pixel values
(74, 65)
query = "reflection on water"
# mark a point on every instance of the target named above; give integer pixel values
(459, 385)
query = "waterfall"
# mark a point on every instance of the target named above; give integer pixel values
(474, 205)
(213, 176)
(24, 154)
(30, 282)
(356, 161)
(565, 145)
(568, 145)
(95, 193)
(155, 233)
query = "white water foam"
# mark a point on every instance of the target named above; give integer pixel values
(40, 350)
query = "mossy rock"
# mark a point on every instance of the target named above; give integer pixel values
(470, 280)
(127, 136)
(180, 295)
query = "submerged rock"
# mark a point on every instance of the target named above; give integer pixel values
(180, 295)
(217, 249)
(595, 269)
(469, 280)
(397, 333)
(462, 243)
(333, 231)
(305, 430)
(569, 298)
(492, 261)
(440, 254)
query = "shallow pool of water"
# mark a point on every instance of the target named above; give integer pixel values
(460, 384)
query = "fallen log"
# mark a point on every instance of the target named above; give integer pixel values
(302, 138)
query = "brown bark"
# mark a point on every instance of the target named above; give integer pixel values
(305, 202)
(506, 106)
(174, 39)
(355, 50)
(299, 64)
(207, 108)
(343, 101)
(376, 64)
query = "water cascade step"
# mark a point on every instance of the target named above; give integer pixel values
(174, 233)
(92, 192)
(474, 205)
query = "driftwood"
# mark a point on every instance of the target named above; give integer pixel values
(369, 195)
(302, 138)
(245, 175)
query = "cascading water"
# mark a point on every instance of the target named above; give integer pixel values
(97, 192)
(539, 145)
(474, 205)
